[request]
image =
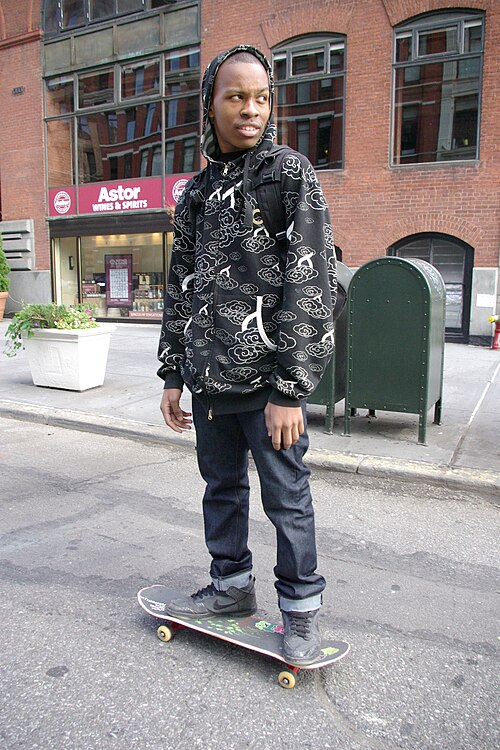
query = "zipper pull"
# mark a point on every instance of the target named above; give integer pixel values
(226, 169)
(210, 415)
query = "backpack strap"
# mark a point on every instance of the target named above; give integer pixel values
(198, 189)
(267, 185)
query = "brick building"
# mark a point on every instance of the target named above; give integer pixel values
(396, 103)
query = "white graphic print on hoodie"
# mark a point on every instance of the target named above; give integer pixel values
(248, 318)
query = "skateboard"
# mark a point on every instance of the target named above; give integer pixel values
(253, 632)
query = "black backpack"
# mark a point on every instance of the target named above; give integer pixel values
(267, 185)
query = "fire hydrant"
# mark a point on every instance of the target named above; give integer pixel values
(495, 344)
(496, 337)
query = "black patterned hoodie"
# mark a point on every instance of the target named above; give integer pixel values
(248, 318)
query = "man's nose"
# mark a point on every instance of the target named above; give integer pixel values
(250, 107)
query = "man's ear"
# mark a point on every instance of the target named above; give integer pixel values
(211, 111)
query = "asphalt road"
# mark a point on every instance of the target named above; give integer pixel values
(86, 520)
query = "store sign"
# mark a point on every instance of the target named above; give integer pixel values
(116, 197)
(62, 201)
(174, 187)
(127, 195)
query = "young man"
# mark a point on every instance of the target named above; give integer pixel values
(248, 328)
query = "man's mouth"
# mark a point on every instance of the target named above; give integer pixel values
(250, 129)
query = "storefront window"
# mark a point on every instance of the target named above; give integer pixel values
(122, 275)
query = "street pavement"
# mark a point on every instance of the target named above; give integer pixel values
(464, 451)
(87, 520)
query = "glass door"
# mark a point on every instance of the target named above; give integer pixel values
(65, 260)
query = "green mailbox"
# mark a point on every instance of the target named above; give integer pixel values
(395, 331)
(332, 386)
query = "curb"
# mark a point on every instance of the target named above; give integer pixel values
(409, 471)
(351, 463)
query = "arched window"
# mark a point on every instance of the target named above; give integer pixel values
(438, 62)
(309, 73)
(454, 260)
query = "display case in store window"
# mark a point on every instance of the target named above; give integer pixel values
(94, 296)
(148, 297)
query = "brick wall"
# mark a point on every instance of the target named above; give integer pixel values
(22, 169)
(374, 205)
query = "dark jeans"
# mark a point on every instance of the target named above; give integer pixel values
(222, 447)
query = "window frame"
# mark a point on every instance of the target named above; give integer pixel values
(291, 50)
(440, 20)
(117, 103)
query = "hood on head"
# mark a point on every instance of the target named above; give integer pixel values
(209, 146)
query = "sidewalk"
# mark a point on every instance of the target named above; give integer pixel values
(463, 451)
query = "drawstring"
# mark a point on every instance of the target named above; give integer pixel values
(247, 203)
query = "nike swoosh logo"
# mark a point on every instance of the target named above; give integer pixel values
(221, 607)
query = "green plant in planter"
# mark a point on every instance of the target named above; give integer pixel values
(33, 317)
(4, 270)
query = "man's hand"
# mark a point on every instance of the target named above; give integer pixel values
(285, 424)
(174, 416)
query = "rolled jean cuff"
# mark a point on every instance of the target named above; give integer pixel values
(239, 580)
(300, 605)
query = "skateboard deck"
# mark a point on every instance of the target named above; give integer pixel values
(253, 632)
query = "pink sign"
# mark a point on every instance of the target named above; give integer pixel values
(126, 195)
(116, 197)
(62, 201)
(174, 187)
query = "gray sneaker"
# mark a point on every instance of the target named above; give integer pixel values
(301, 639)
(210, 602)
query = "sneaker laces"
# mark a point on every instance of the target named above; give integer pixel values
(209, 590)
(300, 623)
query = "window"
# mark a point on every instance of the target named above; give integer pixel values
(101, 9)
(109, 123)
(310, 93)
(182, 110)
(96, 88)
(169, 157)
(188, 154)
(69, 14)
(73, 13)
(117, 141)
(142, 79)
(59, 96)
(437, 82)
(60, 152)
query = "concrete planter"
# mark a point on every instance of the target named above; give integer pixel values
(3, 300)
(73, 360)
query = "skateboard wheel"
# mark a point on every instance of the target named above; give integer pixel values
(164, 633)
(286, 680)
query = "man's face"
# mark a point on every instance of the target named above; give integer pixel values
(240, 105)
